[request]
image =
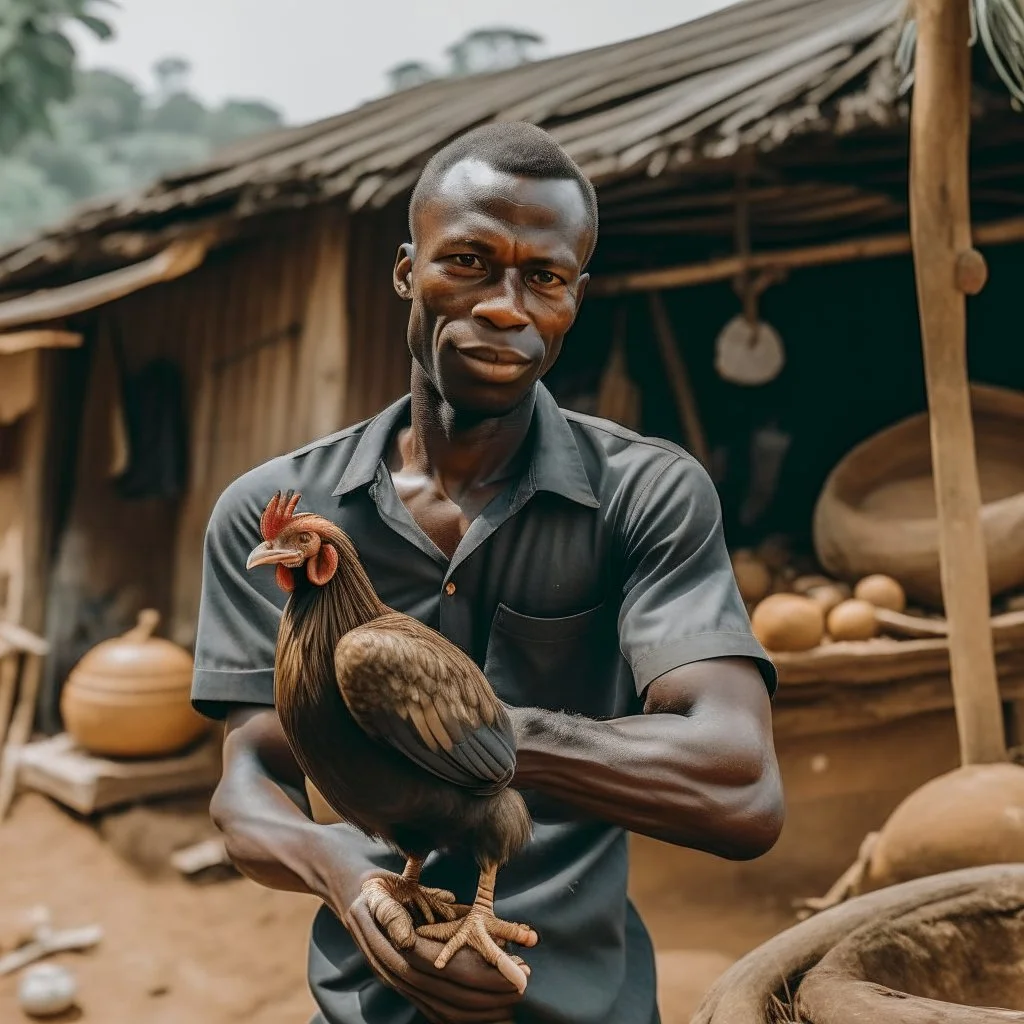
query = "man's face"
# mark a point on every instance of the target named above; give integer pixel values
(495, 281)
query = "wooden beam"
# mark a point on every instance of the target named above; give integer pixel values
(726, 268)
(177, 259)
(946, 267)
(25, 341)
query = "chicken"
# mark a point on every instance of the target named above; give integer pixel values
(400, 733)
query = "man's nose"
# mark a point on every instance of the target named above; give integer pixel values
(503, 308)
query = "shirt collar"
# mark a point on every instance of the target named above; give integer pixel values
(555, 465)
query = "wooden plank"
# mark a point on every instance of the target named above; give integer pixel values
(9, 659)
(177, 259)
(851, 709)
(997, 233)
(21, 729)
(60, 769)
(26, 341)
(23, 640)
(941, 233)
(19, 385)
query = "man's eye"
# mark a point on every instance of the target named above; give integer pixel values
(468, 260)
(545, 277)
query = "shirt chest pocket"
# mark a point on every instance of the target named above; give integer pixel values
(560, 664)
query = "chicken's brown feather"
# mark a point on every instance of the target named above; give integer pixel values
(410, 687)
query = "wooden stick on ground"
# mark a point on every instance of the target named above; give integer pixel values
(21, 729)
(8, 682)
(679, 379)
(946, 267)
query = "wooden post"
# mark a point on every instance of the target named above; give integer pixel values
(946, 267)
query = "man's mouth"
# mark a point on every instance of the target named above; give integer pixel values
(495, 364)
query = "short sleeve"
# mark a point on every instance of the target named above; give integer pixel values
(681, 603)
(239, 612)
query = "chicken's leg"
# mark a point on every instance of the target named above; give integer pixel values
(479, 929)
(388, 898)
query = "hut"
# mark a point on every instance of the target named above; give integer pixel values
(752, 162)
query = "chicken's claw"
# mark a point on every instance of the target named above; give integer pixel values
(390, 898)
(479, 929)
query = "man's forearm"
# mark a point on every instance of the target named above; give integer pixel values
(271, 838)
(661, 775)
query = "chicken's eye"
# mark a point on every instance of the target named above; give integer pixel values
(305, 538)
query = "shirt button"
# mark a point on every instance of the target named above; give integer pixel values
(449, 588)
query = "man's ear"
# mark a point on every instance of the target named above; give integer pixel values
(403, 271)
(581, 290)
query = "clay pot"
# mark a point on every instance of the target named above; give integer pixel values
(129, 696)
(876, 512)
(970, 816)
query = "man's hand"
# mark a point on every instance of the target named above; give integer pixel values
(467, 991)
(260, 806)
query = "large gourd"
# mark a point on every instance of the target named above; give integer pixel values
(129, 696)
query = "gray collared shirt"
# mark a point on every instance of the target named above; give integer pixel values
(603, 567)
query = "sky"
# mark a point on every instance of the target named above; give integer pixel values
(326, 56)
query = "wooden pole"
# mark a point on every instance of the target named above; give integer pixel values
(679, 381)
(946, 267)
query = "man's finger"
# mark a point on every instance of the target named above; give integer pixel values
(442, 992)
(467, 968)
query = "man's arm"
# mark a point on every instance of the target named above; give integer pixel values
(697, 769)
(261, 808)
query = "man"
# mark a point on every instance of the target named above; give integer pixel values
(581, 565)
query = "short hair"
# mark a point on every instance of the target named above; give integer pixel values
(511, 147)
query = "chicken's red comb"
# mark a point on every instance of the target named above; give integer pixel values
(278, 514)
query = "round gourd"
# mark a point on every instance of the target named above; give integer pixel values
(129, 696)
(788, 622)
(853, 620)
(752, 577)
(828, 596)
(882, 592)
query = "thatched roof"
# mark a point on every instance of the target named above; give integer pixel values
(637, 115)
(756, 72)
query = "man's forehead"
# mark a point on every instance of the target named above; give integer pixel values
(472, 185)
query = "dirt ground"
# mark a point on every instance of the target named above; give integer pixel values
(226, 950)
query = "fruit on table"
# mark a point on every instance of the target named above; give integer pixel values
(881, 591)
(853, 620)
(788, 622)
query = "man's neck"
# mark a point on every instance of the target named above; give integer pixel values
(462, 452)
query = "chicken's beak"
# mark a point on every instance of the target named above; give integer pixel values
(266, 554)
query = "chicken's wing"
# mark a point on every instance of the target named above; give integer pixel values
(410, 687)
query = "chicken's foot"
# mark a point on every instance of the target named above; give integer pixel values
(390, 898)
(481, 930)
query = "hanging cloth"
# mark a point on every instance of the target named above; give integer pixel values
(153, 400)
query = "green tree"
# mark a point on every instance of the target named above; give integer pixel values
(106, 104)
(238, 119)
(149, 155)
(37, 60)
(179, 114)
(27, 199)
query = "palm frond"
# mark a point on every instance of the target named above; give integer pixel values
(999, 24)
